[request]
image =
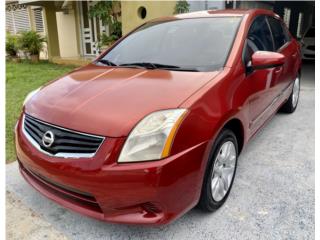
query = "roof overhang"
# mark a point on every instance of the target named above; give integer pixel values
(56, 4)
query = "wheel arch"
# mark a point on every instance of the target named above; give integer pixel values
(236, 126)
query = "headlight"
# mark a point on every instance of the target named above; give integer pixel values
(30, 95)
(151, 139)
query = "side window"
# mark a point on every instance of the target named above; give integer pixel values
(278, 32)
(259, 38)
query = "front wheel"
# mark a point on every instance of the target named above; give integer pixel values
(220, 172)
(292, 103)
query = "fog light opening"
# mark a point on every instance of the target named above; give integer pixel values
(151, 207)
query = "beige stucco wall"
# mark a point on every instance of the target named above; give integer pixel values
(52, 33)
(129, 12)
(67, 34)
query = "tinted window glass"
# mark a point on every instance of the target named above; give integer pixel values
(310, 33)
(259, 38)
(260, 35)
(201, 43)
(277, 31)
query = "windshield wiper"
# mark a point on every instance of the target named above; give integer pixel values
(107, 62)
(149, 65)
(140, 64)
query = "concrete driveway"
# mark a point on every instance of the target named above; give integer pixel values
(272, 196)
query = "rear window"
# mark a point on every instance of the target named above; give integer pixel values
(310, 33)
(201, 43)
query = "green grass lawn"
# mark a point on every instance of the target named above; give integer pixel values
(21, 78)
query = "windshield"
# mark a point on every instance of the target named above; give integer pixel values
(202, 44)
(310, 33)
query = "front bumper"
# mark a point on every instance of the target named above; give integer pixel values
(155, 192)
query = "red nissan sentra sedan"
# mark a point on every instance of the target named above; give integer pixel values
(155, 125)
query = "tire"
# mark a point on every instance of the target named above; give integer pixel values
(292, 102)
(211, 200)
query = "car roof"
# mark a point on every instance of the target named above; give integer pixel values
(212, 13)
(218, 13)
(225, 12)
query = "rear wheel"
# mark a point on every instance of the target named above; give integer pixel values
(220, 171)
(292, 103)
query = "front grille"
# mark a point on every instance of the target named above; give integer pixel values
(65, 143)
(311, 47)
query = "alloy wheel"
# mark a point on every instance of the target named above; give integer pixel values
(295, 92)
(223, 170)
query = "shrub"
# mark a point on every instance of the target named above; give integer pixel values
(117, 29)
(31, 42)
(106, 40)
(11, 44)
(182, 6)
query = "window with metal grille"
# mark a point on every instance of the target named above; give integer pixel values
(17, 19)
(9, 22)
(286, 16)
(38, 19)
(299, 27)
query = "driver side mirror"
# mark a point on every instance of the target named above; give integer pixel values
(266, 59)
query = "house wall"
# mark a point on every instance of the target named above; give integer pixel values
(17, 19)
(205, 5)
(130, 12)
(77, 24)
(51, 30)
(17, 22)
(67, 35)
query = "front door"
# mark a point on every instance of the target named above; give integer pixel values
(264, 82)
(91, 29)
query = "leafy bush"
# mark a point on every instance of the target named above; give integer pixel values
(106, 40)
(106, 12)
(182, 6)
(11, 44)
(116, 29)
(102, 10)
(31, 42)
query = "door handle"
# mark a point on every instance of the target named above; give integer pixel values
(294, 55)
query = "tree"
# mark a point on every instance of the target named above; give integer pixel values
(106, 12)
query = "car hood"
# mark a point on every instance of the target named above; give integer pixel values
(111, 101)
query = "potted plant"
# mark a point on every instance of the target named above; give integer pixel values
(32, 43)
(11, 47)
